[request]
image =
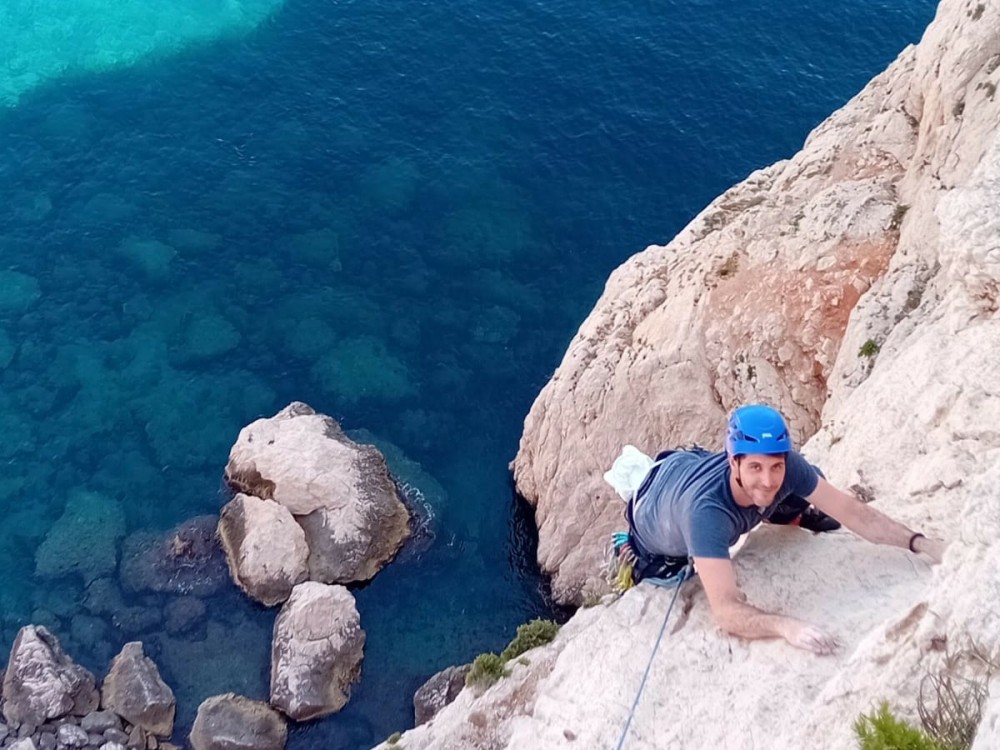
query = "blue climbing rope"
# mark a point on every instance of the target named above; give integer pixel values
(683, 575)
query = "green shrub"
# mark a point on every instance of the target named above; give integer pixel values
(530, 635)
(869, 349)
(393, 739)
(881, 730)
(486, 670)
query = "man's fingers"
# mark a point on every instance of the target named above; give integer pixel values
(815, 640)
(827, 646)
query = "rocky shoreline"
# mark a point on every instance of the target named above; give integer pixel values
(49, 702)
(313, 512)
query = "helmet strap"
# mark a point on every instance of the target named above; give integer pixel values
(739, 480)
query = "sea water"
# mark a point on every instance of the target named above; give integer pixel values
(397, 212)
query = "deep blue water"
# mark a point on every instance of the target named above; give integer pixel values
(398, 212)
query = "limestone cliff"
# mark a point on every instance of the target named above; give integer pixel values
(883, 228)
(881, 236)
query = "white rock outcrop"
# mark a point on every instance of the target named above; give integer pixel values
(855, 286)
(265, 547)
(340, 492)
(135, 691)
(316, 652)
(234, 722)
(42, 682)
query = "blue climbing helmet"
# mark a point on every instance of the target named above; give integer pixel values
(757, 429)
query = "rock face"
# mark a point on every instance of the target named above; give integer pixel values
(316, 652)
(774, 289)
(266, 549)
(340, 492)
(438, 692)
(896, 383)
(988, 735)
(42, 682)
(232, 722)
(135, 691)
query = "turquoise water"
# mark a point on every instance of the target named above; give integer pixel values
(396, 212)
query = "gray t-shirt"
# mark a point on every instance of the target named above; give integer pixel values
(688, 509)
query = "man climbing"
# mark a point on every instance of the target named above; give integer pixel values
(696, 505)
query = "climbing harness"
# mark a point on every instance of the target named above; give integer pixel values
(686, 573)
(628, 563)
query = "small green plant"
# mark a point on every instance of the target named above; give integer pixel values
(881, 730)
(524, 661)
(486, 670)
(868, 349)
(393, 738)
(530, 635)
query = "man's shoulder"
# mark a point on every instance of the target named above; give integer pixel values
(703, 476)
(794, 455)
(688, 469)
(695, 455)
(800, 475)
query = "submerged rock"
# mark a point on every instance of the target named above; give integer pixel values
(7, 349)
(362, 368)
(204, 337)
(316, 653)
(183, 613)
(340, 491)
(187, 560)
(135, 691)
(18, 291)
(42, 682)
(84, 540)
(231, 656)
(265, 548)
(232, 722)
(150, 256)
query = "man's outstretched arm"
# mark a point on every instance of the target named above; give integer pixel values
(869, 523)
(736, 616)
